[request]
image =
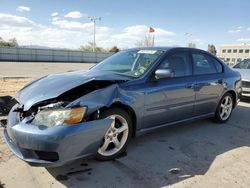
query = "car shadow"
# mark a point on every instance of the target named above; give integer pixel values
(162, 157)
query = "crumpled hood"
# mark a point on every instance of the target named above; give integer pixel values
(52, 86)
(245, 73)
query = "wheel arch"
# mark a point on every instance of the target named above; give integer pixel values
(233, 93)
(128, 109)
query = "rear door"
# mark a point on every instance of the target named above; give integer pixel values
(209, 82)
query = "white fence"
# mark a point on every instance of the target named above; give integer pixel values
(50, 55)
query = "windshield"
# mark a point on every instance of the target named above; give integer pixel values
(245, 64)
(133, 63)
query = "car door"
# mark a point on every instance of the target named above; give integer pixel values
(209, 82)
(170, 99)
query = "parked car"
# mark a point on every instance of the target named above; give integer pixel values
(244, 68)
(63, 117)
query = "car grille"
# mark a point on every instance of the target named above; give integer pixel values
(245, 84)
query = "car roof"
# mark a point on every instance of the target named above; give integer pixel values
(165, 48)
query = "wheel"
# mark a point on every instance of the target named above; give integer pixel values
(117, 136)
(224, 108)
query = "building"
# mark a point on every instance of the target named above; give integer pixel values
(234, 53)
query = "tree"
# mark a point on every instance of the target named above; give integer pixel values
(191, 45)
(99, 49)
(13, 42)
(114, 49)
(9, 43)
(147, 41)
(211, 48)
(89, 48)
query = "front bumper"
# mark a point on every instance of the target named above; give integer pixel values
(43, 146)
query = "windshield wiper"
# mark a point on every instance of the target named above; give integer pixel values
(122, 74)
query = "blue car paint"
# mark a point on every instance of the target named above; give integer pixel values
(114, 94)
(70, 142)
(155, 103)
(52, 86)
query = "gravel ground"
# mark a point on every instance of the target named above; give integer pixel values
(11, 86)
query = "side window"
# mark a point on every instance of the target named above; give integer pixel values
(203, 64)
(178, 63)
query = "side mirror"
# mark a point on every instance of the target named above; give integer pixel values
(163, 73)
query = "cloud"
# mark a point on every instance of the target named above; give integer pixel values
(132, 34)
(243, 40)
(73, 25)
(65, 33)
(236, 30)
(248, 29)
(23, 9)
(45, 36)
(143, 29)
(55, 19)
(73, 14)
(65, 24)
(136, 32)
(50, 37)
(8, 20)
(54, 14)
(28, 32)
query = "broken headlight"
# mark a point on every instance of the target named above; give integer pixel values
(54, 117)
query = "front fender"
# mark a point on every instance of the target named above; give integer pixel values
(112, 94)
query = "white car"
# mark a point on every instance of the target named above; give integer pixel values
(244, 68)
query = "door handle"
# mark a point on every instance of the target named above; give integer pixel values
(190, 86)
(220, 81)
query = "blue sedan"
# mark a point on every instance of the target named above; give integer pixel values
(63, 117)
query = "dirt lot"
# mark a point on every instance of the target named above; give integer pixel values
(11, 86)
(204, 154)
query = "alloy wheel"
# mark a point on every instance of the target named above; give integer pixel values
(115, 137)
(226, 107)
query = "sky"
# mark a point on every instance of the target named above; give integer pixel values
(65, 23)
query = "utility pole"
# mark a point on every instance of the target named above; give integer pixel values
(93, 19)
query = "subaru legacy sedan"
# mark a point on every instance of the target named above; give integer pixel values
(62, 117)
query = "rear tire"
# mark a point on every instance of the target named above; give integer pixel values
(224, 109)
(118, 135)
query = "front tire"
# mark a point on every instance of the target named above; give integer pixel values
(224, 109)
(117, 136)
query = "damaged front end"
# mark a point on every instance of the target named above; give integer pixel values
(66, 101)
(40, 145)
(54, 127)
